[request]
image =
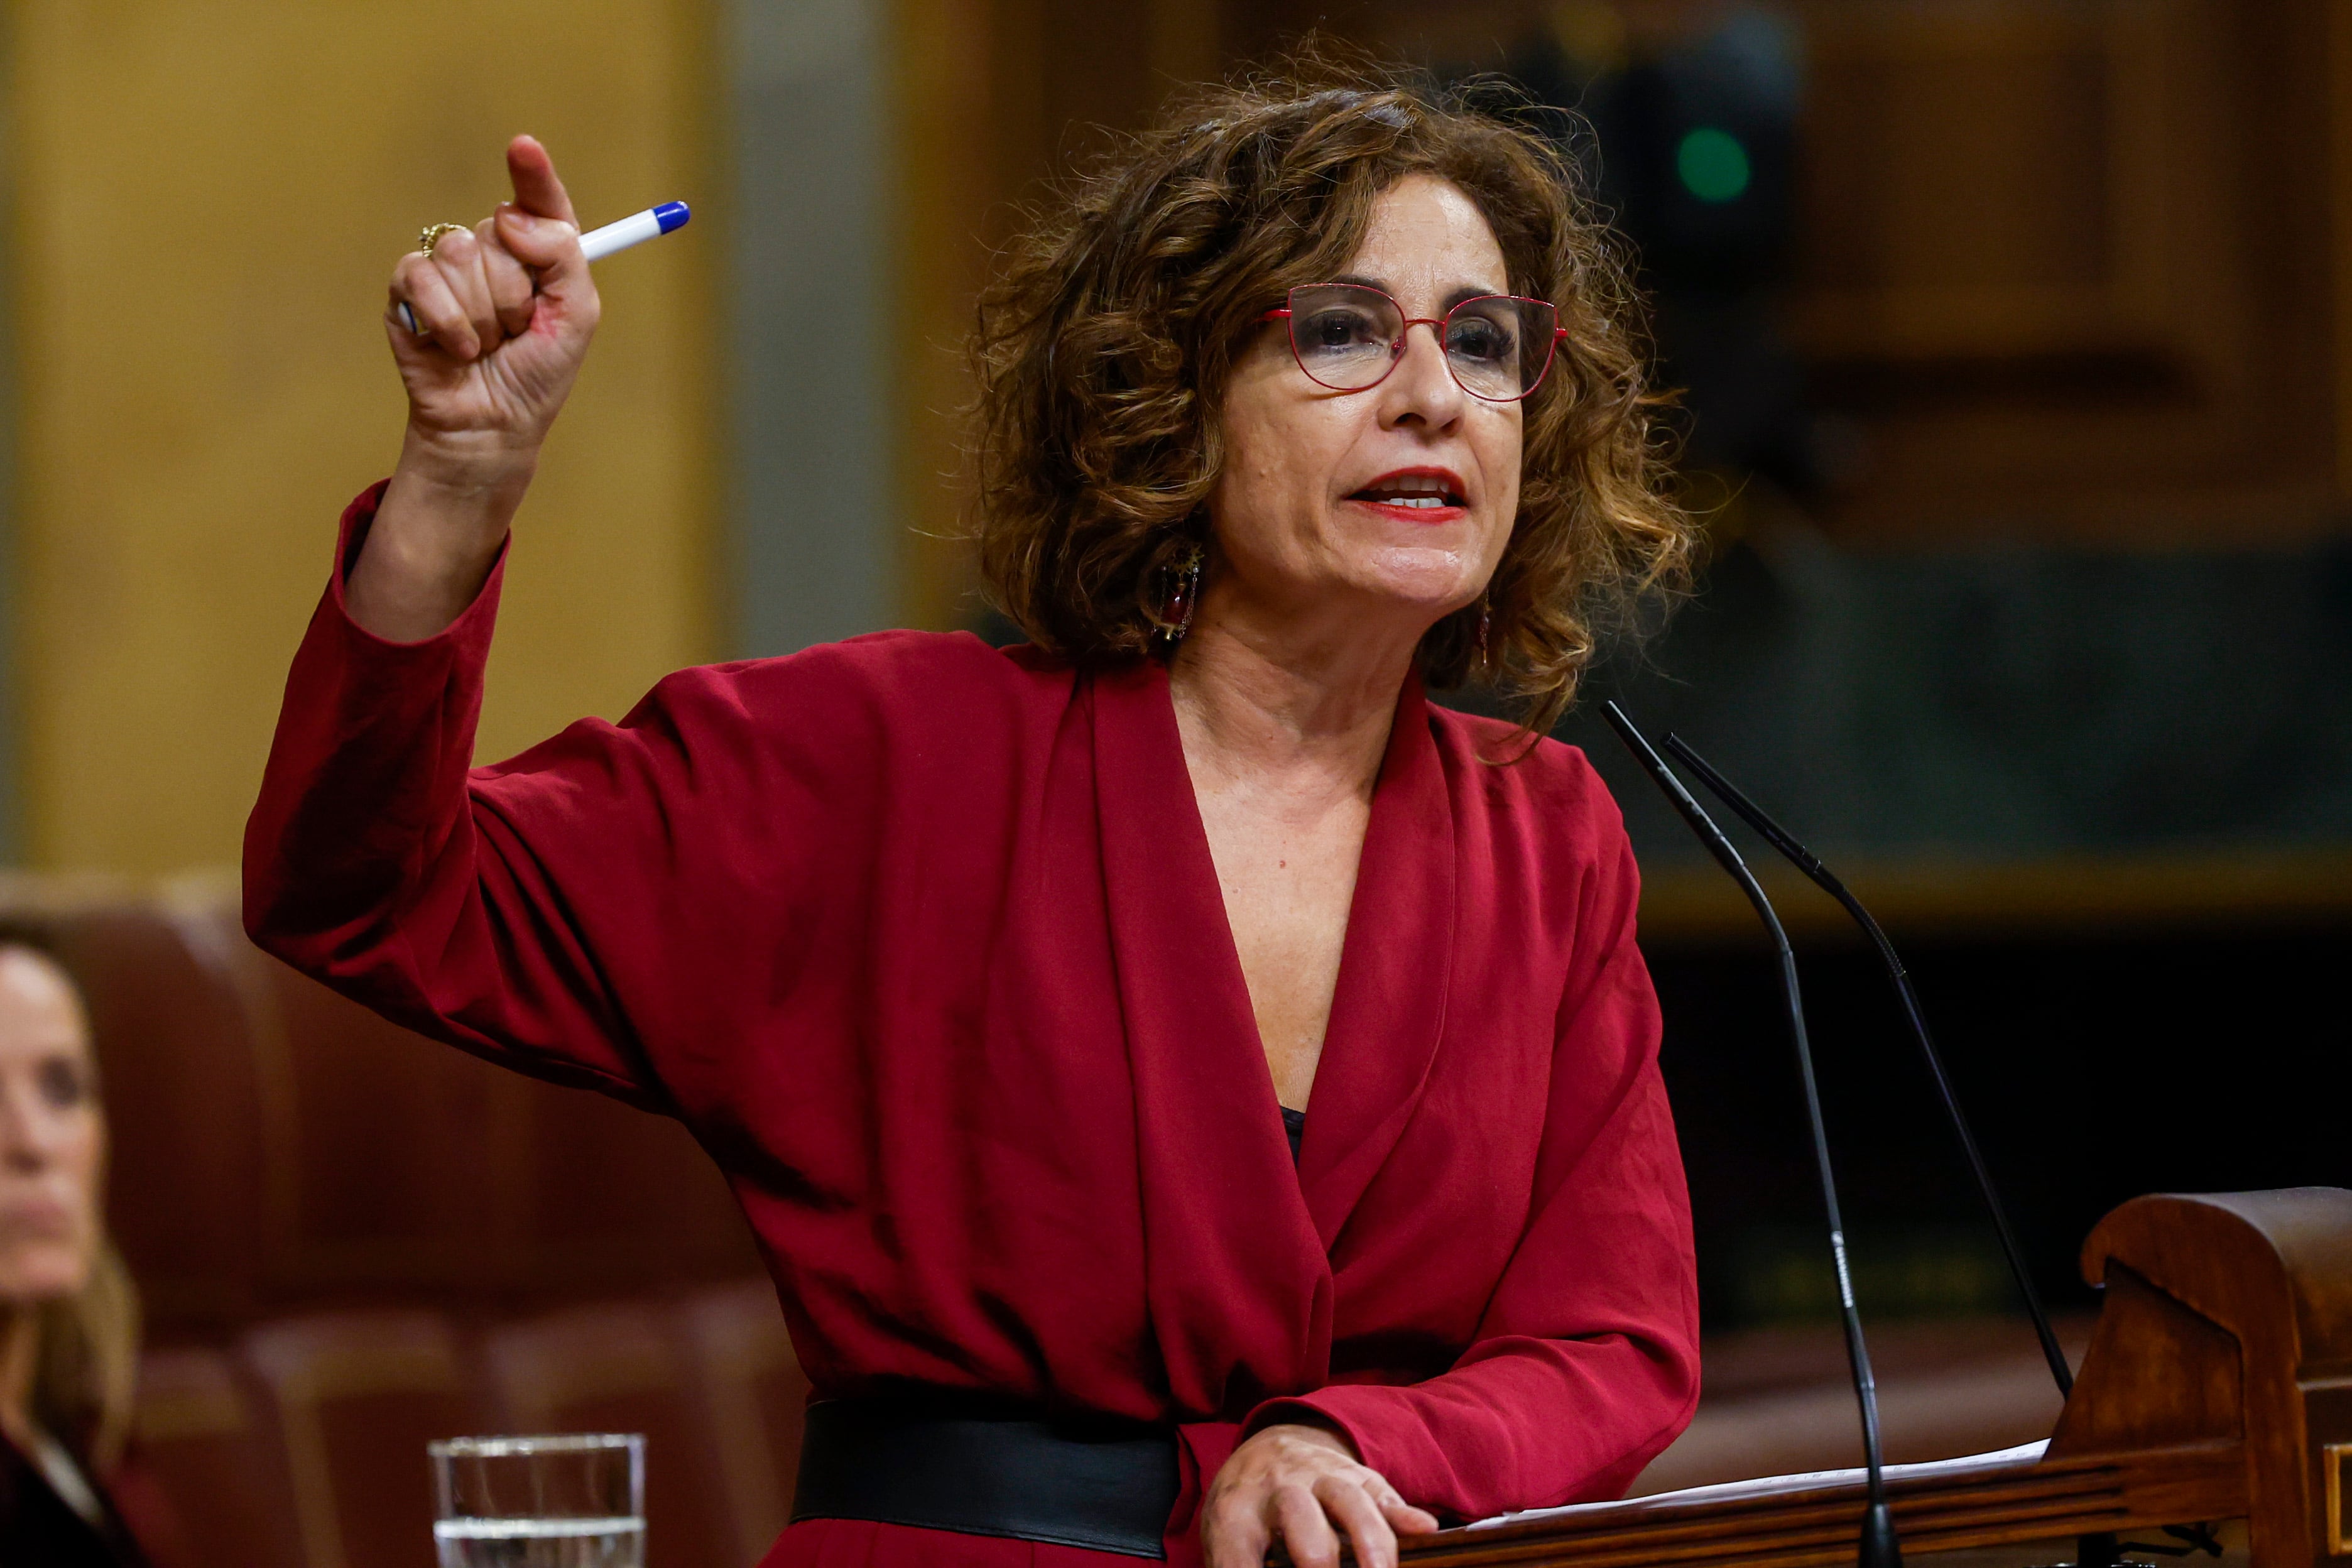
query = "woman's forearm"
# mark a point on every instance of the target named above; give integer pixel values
(372, 864)
(435, 537)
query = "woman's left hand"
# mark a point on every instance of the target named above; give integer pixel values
(1304, 1485)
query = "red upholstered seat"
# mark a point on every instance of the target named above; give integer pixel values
(354, 1239)
(196, 1187)
(624, 1367)
(755, 1394)
(206, 1442)
(358, 1396)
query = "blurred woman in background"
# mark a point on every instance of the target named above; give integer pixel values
(68, 1316)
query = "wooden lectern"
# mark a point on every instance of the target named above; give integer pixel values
(2217, 1385)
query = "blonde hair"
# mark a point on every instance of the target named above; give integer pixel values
(85, 1345)
(85, 1363)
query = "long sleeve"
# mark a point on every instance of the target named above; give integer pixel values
(373, 860)
(566, 911)
(1585, 1362)
(783, 860)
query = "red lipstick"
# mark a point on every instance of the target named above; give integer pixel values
(1423, 495)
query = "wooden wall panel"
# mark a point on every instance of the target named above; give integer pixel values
(208, 198)
(2050, 271)
(995, 98)
(2337, 104)
(2069, 270)
(1983, 189)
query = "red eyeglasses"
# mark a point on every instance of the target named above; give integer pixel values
(1349, 336)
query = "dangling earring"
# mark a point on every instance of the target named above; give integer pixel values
(1180, 596)
(1485, 625)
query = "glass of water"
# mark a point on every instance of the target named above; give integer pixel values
(577, 1500)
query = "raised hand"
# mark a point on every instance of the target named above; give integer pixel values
(507, 309)
(1303, 1485)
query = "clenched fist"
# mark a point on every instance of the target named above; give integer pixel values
(507, 309)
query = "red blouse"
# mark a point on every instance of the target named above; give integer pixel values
(923, 941)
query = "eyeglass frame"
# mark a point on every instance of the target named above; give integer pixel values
(1283, 312)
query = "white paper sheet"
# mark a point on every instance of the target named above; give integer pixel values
(1726, 1490)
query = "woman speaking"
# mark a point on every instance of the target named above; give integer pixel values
(995, 979)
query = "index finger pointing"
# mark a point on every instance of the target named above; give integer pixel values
(537, 190)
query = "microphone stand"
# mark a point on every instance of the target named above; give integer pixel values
(1804, 860)
(1879, 1546)
(2095, 1551)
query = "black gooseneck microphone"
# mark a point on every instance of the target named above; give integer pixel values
(1806, 861)
(1879, 1549)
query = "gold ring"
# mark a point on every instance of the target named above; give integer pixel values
(430, 235)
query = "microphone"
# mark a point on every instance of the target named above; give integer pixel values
(1879, 1546)
(1779, 838)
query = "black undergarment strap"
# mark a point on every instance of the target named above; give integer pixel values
(1294, 1125)
(946, 1462)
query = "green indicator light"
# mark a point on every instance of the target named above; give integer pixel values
(1713, 164)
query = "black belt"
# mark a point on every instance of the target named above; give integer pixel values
(952, 1463)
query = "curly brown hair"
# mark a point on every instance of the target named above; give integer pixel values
(1105, 346)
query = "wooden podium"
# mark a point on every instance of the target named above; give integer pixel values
(2217, 1385)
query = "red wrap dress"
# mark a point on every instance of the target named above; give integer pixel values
(923, 941)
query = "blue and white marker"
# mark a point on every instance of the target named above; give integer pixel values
(599, 243)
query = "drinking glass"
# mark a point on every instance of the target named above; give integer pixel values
(577, 1500)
